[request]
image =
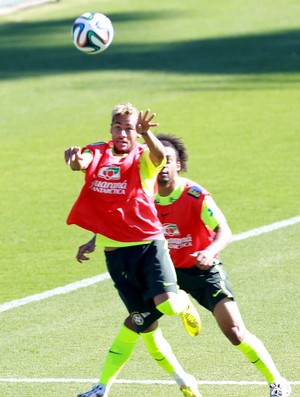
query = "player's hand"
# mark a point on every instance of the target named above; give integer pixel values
(84, 249)
(145, 122)
(204, 259)
(73, 157)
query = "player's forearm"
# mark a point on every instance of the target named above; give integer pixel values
(81, 162)
(222, 239)
(157, 149)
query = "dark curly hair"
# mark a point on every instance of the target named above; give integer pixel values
(172, 141)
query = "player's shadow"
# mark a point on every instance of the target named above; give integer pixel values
(35, 49)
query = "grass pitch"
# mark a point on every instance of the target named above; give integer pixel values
(222, 75)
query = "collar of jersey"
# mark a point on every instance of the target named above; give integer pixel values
(118, 154)
(175, 194)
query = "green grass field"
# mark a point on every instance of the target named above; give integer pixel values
(224, 76)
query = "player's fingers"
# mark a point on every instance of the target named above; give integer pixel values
(80, 253)
(77, 156)
(70, 153)
(147, 111)
(68, 156)
(87, 248)
(151, 117)
(143, 116)
(140, 116)
(82, 257)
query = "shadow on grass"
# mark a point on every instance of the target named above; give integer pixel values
(33, 49)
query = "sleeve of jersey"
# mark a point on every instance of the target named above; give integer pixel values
(211, 214)
(149, 172)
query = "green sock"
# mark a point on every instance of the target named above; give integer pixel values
(119, 352)
(162, 352)
(256, 352)
(175, 305)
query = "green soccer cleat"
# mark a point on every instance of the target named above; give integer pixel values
(190, 317)
(191, 391)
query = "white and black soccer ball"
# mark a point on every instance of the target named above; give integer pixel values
(92, 32)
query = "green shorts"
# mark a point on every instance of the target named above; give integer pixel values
(207, 287)
(141, 272)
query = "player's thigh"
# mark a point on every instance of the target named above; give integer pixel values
(142, 313)
(158, 270)
(125, 268)
(208, 288)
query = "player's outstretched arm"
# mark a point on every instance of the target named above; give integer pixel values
(157, 150)
(77, 160)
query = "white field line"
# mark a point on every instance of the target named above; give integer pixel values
(267, 228)
(104, 276)
(128, 381)
(53, 292)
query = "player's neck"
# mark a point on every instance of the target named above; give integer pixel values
(167, 189)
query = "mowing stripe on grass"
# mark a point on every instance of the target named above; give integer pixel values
(96, 279)
(11, 6)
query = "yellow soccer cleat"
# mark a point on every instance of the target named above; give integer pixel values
(190, 317)
(191, 391)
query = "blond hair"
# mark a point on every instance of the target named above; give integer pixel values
(122, 109)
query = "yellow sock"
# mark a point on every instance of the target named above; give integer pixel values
(175, 305)
(119, 352)
(161, 351)
(256, 352)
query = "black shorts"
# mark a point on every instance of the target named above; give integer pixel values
(141, 272)
(207, 287)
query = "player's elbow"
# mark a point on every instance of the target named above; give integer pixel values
(229, 234)
(157, 159)
(226, 232)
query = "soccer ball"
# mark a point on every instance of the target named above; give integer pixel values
(92, 32)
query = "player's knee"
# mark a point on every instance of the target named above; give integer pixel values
(235, 334)
(170, 306)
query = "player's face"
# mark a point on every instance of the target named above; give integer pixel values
(124, 133)
(168, 174)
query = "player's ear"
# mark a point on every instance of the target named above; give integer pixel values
(178, 166)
